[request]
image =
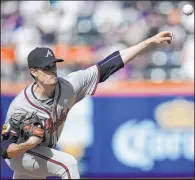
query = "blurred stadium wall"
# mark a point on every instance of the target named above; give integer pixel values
(140, 123)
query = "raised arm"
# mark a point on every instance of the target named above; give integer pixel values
(118, 59)
(85, 81)
(129, 53)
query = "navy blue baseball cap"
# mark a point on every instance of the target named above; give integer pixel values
(41, 57)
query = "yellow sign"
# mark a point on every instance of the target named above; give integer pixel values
(178, 113)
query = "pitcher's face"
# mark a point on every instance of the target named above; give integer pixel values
(47, 75)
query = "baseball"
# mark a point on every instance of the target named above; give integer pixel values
(187, 9)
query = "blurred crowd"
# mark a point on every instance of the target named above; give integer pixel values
(98, 28)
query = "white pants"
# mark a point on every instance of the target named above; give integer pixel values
(41, 162)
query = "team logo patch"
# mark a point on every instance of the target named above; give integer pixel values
(4, 129)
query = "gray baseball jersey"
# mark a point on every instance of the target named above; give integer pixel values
(53, 111)
(44, 160)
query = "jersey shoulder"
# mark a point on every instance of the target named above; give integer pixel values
(18, 99)
(17, 106)
(19, 102)
(67, 84)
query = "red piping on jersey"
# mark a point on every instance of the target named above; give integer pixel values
(56, 108)
(51, 160)
(45, 124)
(97, 80)
(36, 105)
(50, 117)
(10, 133)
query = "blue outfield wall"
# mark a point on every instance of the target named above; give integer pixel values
(137, 137)
(130, 141)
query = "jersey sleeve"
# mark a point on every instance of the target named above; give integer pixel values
(10, 131)
(12, 122)
(85, 81)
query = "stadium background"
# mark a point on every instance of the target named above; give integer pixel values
(140, 123)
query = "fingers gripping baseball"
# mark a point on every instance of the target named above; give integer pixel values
(165, 36)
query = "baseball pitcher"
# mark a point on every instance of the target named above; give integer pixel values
(36, 116)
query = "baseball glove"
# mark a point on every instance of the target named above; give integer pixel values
(31, 125)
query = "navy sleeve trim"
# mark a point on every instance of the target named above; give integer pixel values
(4, 146)
(5, 142)
(110, 65)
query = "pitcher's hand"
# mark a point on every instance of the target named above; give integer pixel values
(164, 36)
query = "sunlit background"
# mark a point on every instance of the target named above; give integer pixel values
(140, 123)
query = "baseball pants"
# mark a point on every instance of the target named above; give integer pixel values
(41, 162)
